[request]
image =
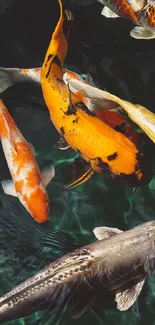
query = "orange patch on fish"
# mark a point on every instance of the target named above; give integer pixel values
(39, 204)
(26, 71)
(19, 186)
(125, 9)
(32, 178)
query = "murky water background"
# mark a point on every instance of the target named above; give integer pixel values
(117, 63)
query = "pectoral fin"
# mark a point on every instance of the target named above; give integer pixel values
(8, 187)
(79, 172)
(62, 144)
(47, 174)
(105, 232)
(140, 32)
(126, 298)
(108, 13)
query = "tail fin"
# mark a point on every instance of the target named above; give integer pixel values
(68, 18)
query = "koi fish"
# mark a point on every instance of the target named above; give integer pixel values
(28, 184)
(12, 76)
(140, 12)
(102, 149)
(139, 114)
(119, 262)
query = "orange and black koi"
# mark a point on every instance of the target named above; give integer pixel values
(104, 149)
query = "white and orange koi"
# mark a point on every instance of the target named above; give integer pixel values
(12, 76)
(28, 183)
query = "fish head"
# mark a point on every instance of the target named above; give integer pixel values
(126, 248)
(36, 202)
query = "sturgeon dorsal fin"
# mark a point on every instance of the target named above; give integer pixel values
(105, 232)
(125, 299)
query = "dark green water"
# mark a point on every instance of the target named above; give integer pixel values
(123, 66)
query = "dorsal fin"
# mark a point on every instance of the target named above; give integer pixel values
(105, 232)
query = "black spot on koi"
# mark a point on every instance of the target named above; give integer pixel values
(62, 131)
(121, 128)
(113, 156)
(82, 106)
(71, 109)
(49, 57)
(55, 60)
(76, 120)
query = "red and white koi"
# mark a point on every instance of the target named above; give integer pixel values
(140, 12)
(28, 183)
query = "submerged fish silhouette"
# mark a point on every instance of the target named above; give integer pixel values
(5, 5)
(118, 262)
